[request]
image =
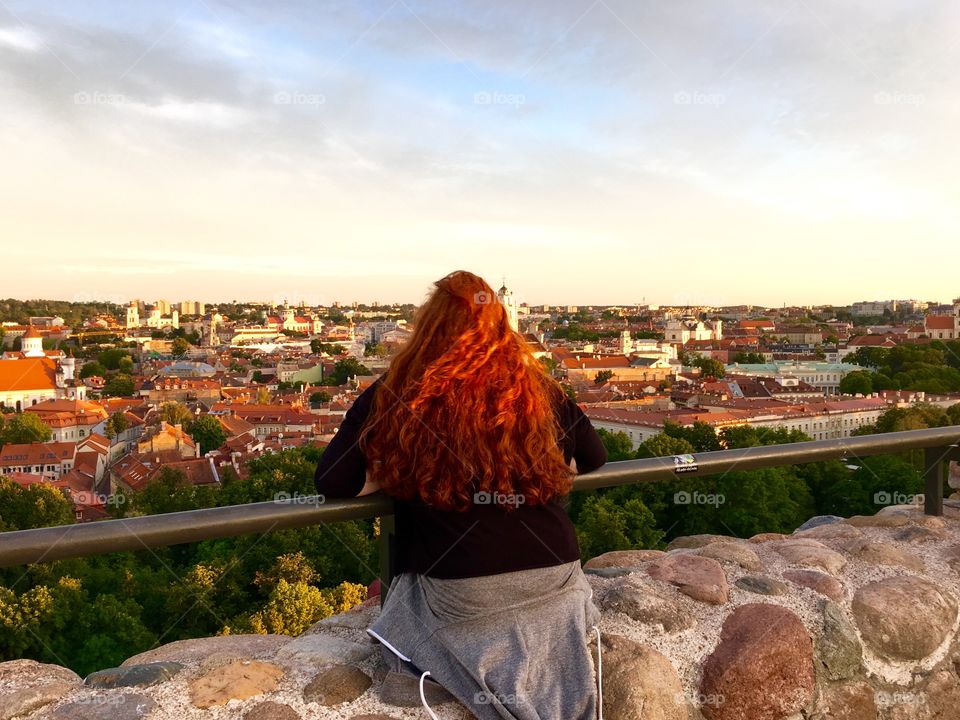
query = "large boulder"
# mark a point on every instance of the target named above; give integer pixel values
(816, 581)
(645, 606)
(733, 553)
(839, 653)
(699, 577)
(762, 668)
(238, 680)
(638, 682)
(904, 618)
(811, 553)
(622, 559)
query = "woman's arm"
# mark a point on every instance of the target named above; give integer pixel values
(342, 470)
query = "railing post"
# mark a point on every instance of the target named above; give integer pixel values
(388, 554)
(933, 479)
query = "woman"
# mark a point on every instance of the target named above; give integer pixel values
(478, 446)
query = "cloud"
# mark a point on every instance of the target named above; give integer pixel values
(21, 39)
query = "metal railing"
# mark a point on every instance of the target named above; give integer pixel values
(137, 533)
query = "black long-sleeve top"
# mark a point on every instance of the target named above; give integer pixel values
(485, 539)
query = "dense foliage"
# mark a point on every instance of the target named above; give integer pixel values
(94, 612)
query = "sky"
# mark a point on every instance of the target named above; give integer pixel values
(590, 152)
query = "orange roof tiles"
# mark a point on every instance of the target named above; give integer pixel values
(28, 374)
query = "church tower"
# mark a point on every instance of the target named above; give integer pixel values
(133, 316)
(32, 343)
(509, 303)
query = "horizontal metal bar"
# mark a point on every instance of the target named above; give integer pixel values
(150, 531)
(106, 536)
(764, 456)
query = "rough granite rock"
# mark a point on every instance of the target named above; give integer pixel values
(852, 701)
(639, 683)
(818, 521)
(33, 673)
(622, 559)
(762, 647)
(117, 706)
(904, 618)
(811, 553)
(880, 553)
(403, 690)
(880, 520)
(270, 710)
(23, 701)
(838, 530)
(736, 553)
(761, 585)
(320, 648)
(767, 537)
(699, 577)
(644, 606)
(686, 542)
(336, 684)
(839, 653)
(143, 675)
(238, 680)
(815, 580)
(221, 646)
(915, 534)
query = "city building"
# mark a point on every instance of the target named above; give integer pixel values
(509, 302)
(689, 328)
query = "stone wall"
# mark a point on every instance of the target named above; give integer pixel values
(850, 619)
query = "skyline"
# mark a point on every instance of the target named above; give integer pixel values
(592, 153)
(281, 299)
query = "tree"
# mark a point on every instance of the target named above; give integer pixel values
(604, 525)
(175, 413)
(710, 367)
(117, 424)
(110, 359)
(319, 397)
(89, 369)
(208, 432)
(345, 369)
(663, 445)
(375, 350)
(858, 382)
(264, 396)
(618, 445)
(119, 385)
(25, 428)
(179, 347)
(602, 376)
(317, 347)
(953, 414)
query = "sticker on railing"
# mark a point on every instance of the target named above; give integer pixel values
(684, 464)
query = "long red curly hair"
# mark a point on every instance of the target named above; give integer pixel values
(465, 408)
